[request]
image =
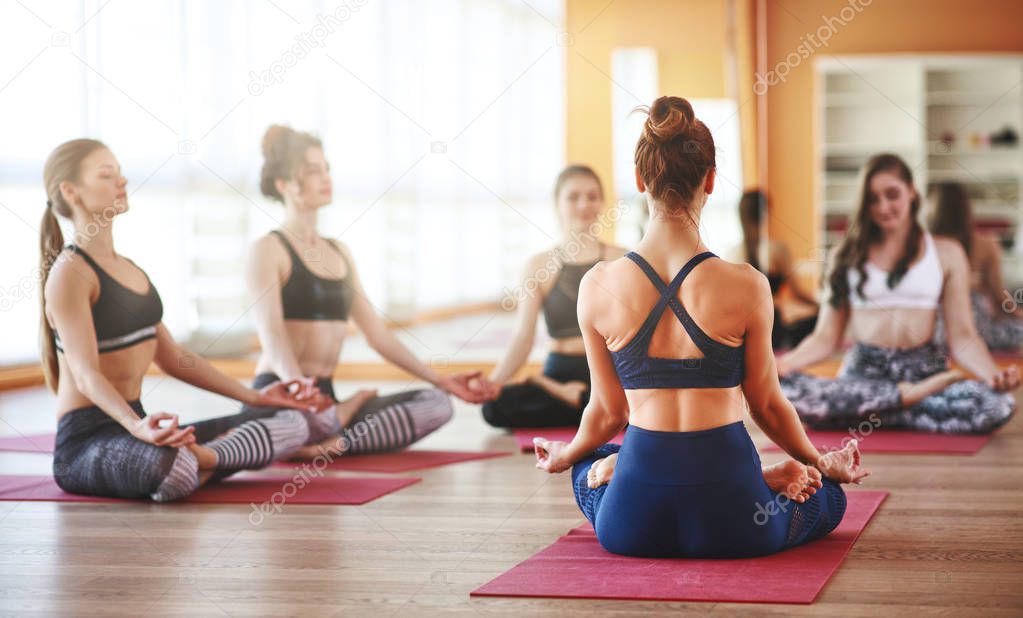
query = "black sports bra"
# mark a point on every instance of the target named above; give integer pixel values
(305, 296)
(559, 307)
(121, 317)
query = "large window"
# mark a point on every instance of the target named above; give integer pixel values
(443, 122)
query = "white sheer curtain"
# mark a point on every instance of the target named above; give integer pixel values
(443, 121)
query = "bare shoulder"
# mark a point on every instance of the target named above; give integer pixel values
(950, 252)
(70, 274)
(267, 244)
(342, 247)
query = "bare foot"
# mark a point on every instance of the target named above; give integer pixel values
(331, 447)
(205, 456)
(914, 392)
(601, 471)
(569, 392)
(347, 409)
(795, 480)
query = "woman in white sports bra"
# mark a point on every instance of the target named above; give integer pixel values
(885, 283)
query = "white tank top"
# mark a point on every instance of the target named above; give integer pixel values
(919, 288)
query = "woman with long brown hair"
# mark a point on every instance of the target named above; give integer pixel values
(687, 480)
(886, 281)
(997, 314)
(101, 330)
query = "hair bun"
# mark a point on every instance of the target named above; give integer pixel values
(669, 118)
(275, 136)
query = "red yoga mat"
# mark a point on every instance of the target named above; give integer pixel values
(524, 436)
(401, 461)
(577, 567)
(36, 443)
(895, 441)
(272, 490)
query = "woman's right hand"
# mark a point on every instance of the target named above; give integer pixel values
(148, 430)
(549, 455)
(843, 465)
(486, 388)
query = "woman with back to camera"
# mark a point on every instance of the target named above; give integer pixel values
(556, 397)
(997, 314)
(886, 280)
(687, 481)
(102, 328)
(306, 289)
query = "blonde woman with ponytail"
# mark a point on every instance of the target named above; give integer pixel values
(101, 330)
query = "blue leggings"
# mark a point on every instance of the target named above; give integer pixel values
(697, 494)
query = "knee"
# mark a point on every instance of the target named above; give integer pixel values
(181, 480)
(431, 409)
(493, 414)
(1000, 410)
(836, 505)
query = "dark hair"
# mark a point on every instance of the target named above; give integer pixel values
(674, 153)
(952, 214)
(574, 171)
(863, 232)
(63, 164)
(283, 153)
(752, 208)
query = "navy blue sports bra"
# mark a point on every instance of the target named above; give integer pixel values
(721, 367)
(306, 296)
(120, 316)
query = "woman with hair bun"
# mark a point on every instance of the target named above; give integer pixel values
(306, 289)
(687, 480)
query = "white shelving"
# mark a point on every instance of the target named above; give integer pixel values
(937, 112)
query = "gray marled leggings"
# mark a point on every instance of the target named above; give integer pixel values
(96, 456)
(999, 331)
(867, 384)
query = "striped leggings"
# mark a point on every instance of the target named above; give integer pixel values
(867, 384)
(387, 423)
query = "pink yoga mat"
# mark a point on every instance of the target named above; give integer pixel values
(524, 436)
(401, 461)
(276, 490)
(576, 566)
(36, 443)
(895, 441)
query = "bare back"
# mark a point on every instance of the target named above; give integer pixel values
(717, 296)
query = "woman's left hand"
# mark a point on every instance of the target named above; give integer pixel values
(548, 455)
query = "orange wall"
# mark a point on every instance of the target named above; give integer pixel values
(884, 26)
(690, 39)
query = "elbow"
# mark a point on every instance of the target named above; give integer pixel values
(87, 382)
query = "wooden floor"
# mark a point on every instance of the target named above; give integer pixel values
(948, 541)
